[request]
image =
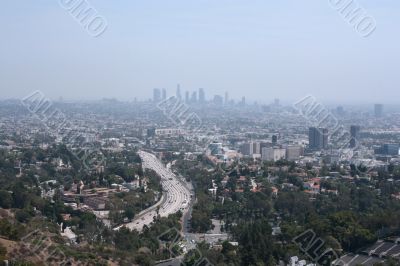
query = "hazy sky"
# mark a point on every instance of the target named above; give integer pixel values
(262, 49)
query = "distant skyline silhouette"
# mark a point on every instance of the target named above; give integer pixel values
(258, 49)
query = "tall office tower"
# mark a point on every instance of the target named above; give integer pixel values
(318, 138)
(243, 102)
(256, 148)
(186, 97)
(202, 96)
(324, 138)
(164, 94)
(218, 100)
(274, 139)
(226, 98)
(276, 102)
(156, 95)
(355, 134)
(193, 99)
(246, 148)
(151, 132)
(264, 145)
(388, 149)
(378, 108)
(178, 92)
(340, 110)
(391, 149)
(250, 148)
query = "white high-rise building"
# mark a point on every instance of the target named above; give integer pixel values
(273, 154)
(294, 152)
(250, 148)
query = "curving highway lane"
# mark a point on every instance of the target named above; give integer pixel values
(176, 195)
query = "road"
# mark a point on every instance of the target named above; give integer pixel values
(175, 196)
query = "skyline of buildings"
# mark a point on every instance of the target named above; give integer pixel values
(200, 96)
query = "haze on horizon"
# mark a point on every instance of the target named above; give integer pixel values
(258, 49)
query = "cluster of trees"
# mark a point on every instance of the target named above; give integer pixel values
(256, 245)
(127, 204)
(202, 214)
(201, 180)
(360, 213)
(3, 252)
(245, 216)
(348, 221)
(9, 230)
(22, 196)
(146, 247)
(354, 218)
(102, 243)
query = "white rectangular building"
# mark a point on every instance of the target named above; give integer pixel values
(273, 154)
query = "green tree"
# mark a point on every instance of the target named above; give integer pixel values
(6, 199)
(3, 253)
(129, 212)
(23, 215)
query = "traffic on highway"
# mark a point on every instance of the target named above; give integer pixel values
(175, 196)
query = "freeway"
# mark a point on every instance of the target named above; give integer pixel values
(176, 195)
